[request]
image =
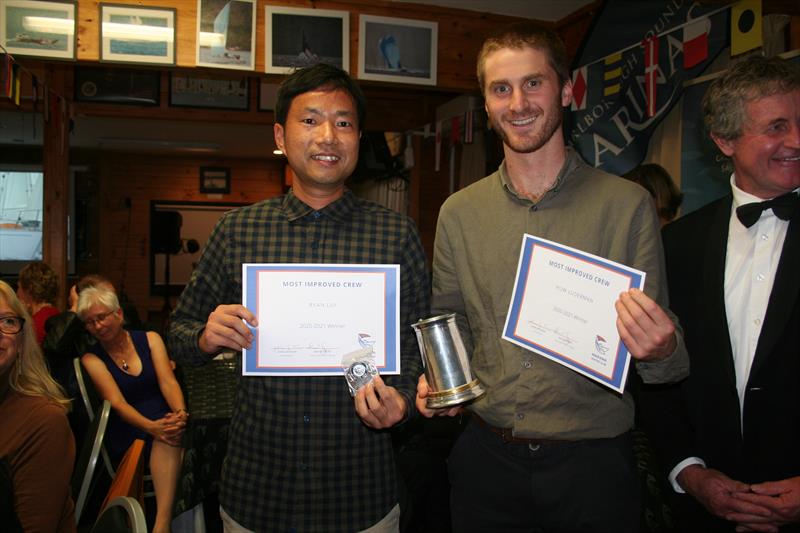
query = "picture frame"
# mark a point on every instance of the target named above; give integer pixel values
(41, 29)
(397, 50)
(267, 95)
(210, 92)
(133, 34)
(226, 34)
(197, 221)
(215, 180)
(297, 37)
(105, 85)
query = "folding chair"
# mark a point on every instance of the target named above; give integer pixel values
(130, 476)
(83, 474)
(90, 400)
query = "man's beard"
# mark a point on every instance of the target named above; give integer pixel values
(526, 145)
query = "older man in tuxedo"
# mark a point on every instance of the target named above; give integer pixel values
(730, 433)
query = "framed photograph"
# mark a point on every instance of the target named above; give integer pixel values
(267, 96)
(137, 34)
(298, 37)
(117, 86)
(42, 29)
(226, 34)
(398, 50)
(215, 180)
(210, 92)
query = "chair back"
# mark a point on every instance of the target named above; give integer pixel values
(129, 480)
(83, 474)
(122, 515)
(91, 401)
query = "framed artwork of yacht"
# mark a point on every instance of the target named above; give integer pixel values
(42, 29)
(226, 34)
(299, 37)
(398, 50)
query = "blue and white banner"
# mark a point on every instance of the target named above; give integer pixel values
(613, 129)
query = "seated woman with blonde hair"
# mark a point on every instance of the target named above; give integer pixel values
(131, 370)
(36, 444)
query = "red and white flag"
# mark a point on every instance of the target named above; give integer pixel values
(579, 89)
(468, 127)
(650, 73)
(695, 42)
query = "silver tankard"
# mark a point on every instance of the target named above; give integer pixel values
(446, 363)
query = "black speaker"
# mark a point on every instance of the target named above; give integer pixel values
(165, 232)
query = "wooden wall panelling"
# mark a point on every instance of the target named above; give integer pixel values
(55, 165)
(135, 181)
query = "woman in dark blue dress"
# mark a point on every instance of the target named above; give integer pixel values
(133, 372)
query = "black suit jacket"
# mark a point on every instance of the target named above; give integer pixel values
(701, 416)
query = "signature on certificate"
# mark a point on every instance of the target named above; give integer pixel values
(558, 334)
(312, 348)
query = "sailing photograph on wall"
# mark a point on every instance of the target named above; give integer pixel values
(398, 50)
(226, 36)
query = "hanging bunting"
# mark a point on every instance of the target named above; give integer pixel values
(613, 74)
(695, 42)
(745, 26)
(469, 126)
(455, 130)
(7, 75)
(579, 89)
(15, 75)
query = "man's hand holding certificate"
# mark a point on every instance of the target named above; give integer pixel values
(563, 307)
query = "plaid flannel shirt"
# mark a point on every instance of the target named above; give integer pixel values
(299, 458)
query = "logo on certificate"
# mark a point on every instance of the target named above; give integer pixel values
(600, 345)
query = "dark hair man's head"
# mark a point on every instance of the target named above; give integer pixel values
(319, 76)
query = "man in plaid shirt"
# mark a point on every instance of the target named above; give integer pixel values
(302, 454)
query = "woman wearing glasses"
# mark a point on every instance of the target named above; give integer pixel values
(131, 370)
(37, 449)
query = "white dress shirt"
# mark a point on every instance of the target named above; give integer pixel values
(751, 261)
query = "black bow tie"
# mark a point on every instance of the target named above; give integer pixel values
(783, 206)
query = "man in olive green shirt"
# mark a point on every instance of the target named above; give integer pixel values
(546, 449)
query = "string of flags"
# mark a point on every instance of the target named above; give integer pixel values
(54, 107)
(745, 35)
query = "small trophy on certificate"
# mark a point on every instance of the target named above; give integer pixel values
(446, 363)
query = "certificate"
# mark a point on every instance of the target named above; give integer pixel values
(310, 315)
(563, 308)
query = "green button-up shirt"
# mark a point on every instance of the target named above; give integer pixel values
(478, 240)
(299, 457)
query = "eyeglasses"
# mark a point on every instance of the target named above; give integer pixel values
(11, 325)
(99, 319)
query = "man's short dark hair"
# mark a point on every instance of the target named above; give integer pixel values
(319, 76)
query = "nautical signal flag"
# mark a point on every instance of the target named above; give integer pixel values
(579, 86)
(613, 74)
(650, 73)
(695, 42)
(745, 26)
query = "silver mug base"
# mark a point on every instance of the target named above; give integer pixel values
(455, 396)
